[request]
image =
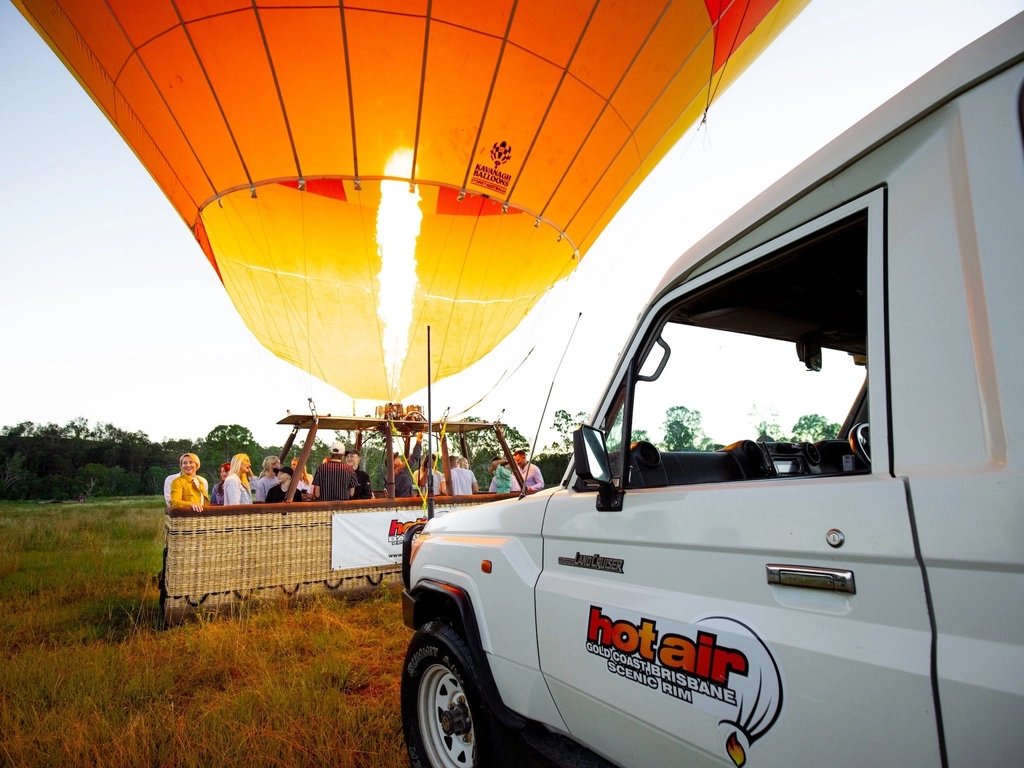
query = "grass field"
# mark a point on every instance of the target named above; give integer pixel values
(88, 677)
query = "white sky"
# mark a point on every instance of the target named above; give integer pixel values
(111, 312)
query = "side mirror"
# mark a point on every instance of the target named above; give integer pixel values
(590, 457)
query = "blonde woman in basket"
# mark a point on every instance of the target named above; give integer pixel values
(267, 479)
(189, 489)
(237, 489)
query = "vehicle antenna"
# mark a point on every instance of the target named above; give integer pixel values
(522, 491)
(430, 429)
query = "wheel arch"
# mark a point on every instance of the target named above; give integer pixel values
(432, 600)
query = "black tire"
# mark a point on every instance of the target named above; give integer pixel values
(446, 721)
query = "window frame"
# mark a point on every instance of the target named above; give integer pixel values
(873, 205)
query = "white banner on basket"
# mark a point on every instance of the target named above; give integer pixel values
(366, 539)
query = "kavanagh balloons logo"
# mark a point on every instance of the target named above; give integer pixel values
(501, 153)
(716, 665)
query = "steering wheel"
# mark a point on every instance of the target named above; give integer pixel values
(860, 442)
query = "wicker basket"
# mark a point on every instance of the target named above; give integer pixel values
(225, 555)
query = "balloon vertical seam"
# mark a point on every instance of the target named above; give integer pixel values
(611, 200)
(490, 90)
(348, 85)
(163, 100)
(423, 81)
(213, 91)
(112, 117)
(455, 297)
(605, 107)
(455, 293)
(551, 101)
(277, 88)
(632, 138)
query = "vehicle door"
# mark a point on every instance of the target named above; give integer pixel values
(758, 603)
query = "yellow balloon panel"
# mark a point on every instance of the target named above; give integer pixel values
(305, 271)
(541, 116)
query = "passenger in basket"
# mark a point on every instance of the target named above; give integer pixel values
(531, 474)
(403, 477)
(502, 480)
(279, 492)
(304, 482)
(334, 479)
(268, 478)
(363, 489)
(426, 473)
(463, 480)
(217, 494)
(189, 489)
(167, 486)
(237, 488)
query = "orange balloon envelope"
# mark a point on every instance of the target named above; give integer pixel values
(356, 172)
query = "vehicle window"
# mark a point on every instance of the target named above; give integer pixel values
(754, 376)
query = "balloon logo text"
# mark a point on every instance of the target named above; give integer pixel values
(714, 665)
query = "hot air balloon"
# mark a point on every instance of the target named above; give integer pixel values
(357, 171)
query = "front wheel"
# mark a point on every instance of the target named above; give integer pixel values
(445, 719)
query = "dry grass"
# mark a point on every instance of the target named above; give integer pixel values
(87, 677)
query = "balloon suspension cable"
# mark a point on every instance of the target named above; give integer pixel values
(441, 436)
(540, 423)
(430, 429)
(312, 407)
(505, 376)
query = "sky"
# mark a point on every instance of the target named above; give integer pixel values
(112, 313)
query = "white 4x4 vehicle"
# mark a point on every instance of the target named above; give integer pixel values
(854, 601)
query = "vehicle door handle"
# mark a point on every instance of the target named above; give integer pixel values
(810, 577)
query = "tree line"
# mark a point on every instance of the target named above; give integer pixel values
(51, 461)
(684, 430)
(59, 462)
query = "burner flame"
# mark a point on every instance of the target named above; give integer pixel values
(735, 750)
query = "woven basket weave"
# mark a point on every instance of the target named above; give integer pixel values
(225, 555)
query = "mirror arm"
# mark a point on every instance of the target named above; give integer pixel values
(609, 498)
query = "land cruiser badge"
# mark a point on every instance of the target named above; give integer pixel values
(715, 664)
(594, 562)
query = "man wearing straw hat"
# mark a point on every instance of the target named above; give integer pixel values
(334, 479)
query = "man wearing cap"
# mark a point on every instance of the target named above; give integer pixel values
(334, 479)
(531, 474)
(278, 493)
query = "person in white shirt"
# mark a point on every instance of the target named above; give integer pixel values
(463, 480)
(237, 485)
(167, 487)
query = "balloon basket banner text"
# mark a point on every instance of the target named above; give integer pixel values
(371, 538)
(218, 559)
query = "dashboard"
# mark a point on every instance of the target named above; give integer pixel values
(743, 460)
